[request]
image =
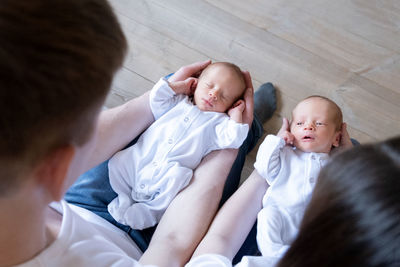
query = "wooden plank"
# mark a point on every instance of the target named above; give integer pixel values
(366, 107)
(309, 32)
(126, 85)
(152, 54)
(387, 75)
(300, 47)
(267, 57)
(376, 21)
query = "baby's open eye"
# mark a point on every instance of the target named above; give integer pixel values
(319, 123)
(299, 123)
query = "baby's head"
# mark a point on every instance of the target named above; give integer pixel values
(219, 86)
(316, 124)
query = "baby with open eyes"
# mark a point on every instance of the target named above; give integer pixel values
(148, 175)
(290, 162)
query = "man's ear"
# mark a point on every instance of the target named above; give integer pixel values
(336, 139)
(52, 170)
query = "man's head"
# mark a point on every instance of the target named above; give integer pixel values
(57, 60)
(316, 124)
(219, 86)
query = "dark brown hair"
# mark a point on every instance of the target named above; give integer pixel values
(353, 218)
(57, 61)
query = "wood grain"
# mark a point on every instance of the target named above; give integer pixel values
(346, 50)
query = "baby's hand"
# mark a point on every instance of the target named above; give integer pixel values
(236, 111)
(186, 87)
(285, 133)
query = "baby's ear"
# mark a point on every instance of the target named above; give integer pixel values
(336, 139)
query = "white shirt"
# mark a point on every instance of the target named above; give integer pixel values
(215, 260)
(292, 175)
(84, 240)
(148, 175)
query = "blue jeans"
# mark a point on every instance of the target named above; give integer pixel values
(93, 191)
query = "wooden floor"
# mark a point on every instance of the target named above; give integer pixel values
(346, 50)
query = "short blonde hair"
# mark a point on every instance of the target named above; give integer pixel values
(338, 119)
(230, 66)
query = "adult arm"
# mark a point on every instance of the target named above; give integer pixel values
(235, 219)
(120, 125)
(345, 140)
(187, 218)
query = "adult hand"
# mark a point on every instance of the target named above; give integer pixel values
(248, 97)
(285, 133)
(186, 87)
(192, 70)
(345, 141)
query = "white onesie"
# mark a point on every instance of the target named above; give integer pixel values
(149, 174)
(292, 175)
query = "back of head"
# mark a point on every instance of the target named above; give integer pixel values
(354, 216)
(57, 60)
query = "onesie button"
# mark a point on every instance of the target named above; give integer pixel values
(312, 180)
(312, 156)
(170, 141)
(142, 186)
(186, 119)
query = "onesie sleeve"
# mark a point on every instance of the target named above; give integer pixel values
(163, 98)
(268, 161)
(230, 134)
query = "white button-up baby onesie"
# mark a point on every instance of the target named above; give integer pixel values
(148, 175)
(292, 175)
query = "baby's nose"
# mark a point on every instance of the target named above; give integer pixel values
(308, 126)
(213, 94)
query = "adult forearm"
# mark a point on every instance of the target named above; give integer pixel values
(120, 125)
(235, 219)
(190, 213)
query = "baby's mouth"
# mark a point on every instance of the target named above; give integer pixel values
(307, 138)
(208, 103)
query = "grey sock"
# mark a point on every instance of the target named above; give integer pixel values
(265, 102)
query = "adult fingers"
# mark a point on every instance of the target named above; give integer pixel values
(189, 70)
(247, 79)
(345, 140)
(248, 97)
